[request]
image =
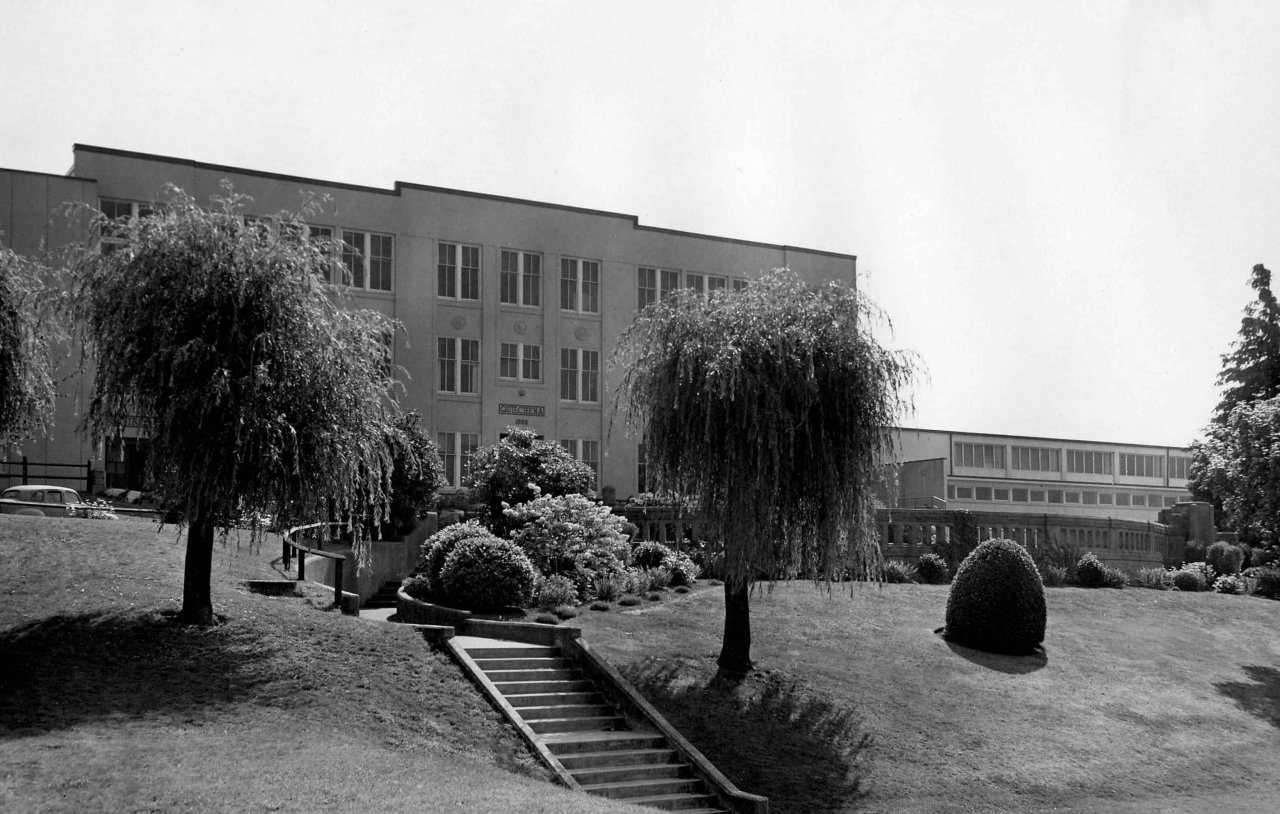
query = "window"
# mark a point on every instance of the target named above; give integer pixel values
(459, 365)
(697, 282)
(1019, 495)
(1139, 500)
(520, 362)
(646, 287)
(668, 281)
(579, 285)
(1178, 466)
(1170, 501)
(964, 493)
(1084, 462)
(982, 456)
(740, 285)
(456, 451)
(521, 280)
(1035, 459)
(1055, 496)
(579, 375)
(458, 272)
(367, 259)
(119, 211)
(982, 492)
(1037, 496)
(586, 451)
(1072, 497)
(1122, 498)
(1155, 501)
(1089, 498)
(1141, 466)
(715, 283)
(1001, 494)
(1105, 499)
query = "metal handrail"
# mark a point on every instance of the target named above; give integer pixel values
(289, 546)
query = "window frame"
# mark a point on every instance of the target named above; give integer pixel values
(457, 451)
(579, 285)
(522, 359)
(456, 275)
(454, 363)
(520, 287)
(580, 375)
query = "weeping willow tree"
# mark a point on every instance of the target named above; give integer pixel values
(28, 325)
(774, 407)
(257, 385)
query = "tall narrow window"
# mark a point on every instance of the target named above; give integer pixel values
(569, 374)
(668, 281)
(520, 362)
(458, 271)
(646, 287)
(579, 375)
(447, 442)
(520, 281)
(579, 285)
(458, 365)
(353, 257)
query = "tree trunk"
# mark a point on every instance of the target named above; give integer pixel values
(735, 650)
(197, 599)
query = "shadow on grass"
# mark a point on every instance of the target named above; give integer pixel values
(1259, 697)
(65, 670)
(768, 732)
(1013, 664)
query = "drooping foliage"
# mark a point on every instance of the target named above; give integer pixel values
(257, 384)
(1236, 466)
(520, 468)
(773, 407)
(28, 326)
(1251, 371)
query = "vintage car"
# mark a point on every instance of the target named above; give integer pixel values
(39, 500)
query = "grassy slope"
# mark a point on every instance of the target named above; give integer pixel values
(107, 706)
(1144, 701)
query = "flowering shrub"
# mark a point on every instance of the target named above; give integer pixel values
(650, 554)
(483, 573)
(519, 469)
(554, 591)
(665, 498)
(1229, 584)
(568, 534)
(1267, 583)
(681, 568)
(1188, 579)
(1206, 572)
(416, 586)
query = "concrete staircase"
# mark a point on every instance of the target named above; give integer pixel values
(591, 740)
(384, 598)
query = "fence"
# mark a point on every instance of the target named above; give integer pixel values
(314, 532)
(25, 470)
(669, 525)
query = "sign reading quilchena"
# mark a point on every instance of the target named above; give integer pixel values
(522, 409)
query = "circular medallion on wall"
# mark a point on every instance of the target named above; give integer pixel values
(458, 323)
(579, 333)
(520, 326)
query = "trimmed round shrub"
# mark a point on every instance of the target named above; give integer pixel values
(1188, 579)
(684, 571)
(932, 569)
(415, 585)
(1224, 557)
(483, 574)
(996, 601)
(553, 591)
(437, 548)
(1090, 572)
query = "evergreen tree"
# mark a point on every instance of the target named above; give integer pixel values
(774, 407)
(1251, 371)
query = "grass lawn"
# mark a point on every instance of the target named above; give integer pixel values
(106, 705)
(1144, 701)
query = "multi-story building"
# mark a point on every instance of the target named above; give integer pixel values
(511, 307)
(1030, 475)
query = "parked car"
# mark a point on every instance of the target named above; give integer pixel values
(39, 500)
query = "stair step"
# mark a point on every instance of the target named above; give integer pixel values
(601, 723)
(551, 699)
(567, 711)
(617, 757)
(663, 787)
(684, 803)
(560, 674)
(576, 743)
(508, 688)
(512, 652)
(535, 663)
(620, 774)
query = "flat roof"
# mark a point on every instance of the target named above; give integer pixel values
(403, 185)
(1040, 438)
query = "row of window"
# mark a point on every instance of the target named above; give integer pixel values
(457, 449)
(898, 535)
(1063, 496)
(458, 367)
(653, 284)
(1079, 461)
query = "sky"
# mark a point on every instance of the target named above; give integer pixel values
(1057, 205)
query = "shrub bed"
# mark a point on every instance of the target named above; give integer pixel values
(483, 574)
(997, 600)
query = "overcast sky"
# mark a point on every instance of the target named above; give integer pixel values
(1058, 204)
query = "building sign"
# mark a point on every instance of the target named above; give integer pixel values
(522, 409)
